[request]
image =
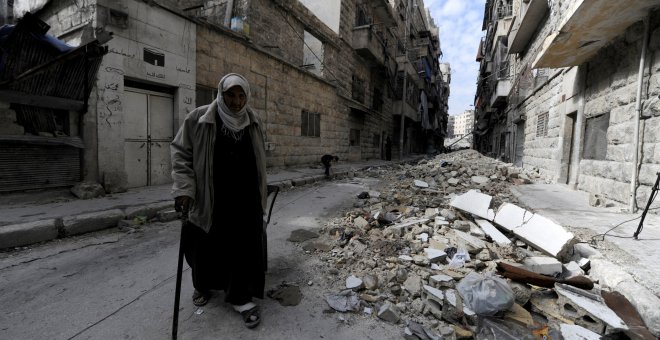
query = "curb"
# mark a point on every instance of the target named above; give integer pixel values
(24, 234)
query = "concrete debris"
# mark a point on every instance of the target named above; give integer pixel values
(536, 230)
(588, 311)
(543, 265)
(492, 232)
(87, 190)
(399, 254)
(389, 313)
(353, 282)
(344, 301)
(475, 203)
(577, 332)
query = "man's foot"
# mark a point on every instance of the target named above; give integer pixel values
(251, 314)
(200, 298)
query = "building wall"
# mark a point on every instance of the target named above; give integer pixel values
(136, 26)
(605, 85)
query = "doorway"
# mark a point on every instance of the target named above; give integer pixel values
(148, 131)
(519, 138)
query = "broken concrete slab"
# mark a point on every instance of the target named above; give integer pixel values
(421, 184)
(440, 221)
(543, 265)
(572, 269)
(480, 180)
(519, 314)
(646, 303)
(536, 230)
(442, 281)
(492, 232)
(473, 244)
(577, 332)
(475, 203)
(433, 299)
(413, 285)
(360, 222)
(454, 308)
(588, 310)
(435, 255)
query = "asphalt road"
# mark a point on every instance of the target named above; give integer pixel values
(115, 284)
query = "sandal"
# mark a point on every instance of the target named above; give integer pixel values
(251, 316)
(200, 298)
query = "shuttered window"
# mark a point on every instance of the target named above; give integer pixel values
(542, 125)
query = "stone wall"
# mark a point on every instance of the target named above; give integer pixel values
(281, 91)
(609, 82)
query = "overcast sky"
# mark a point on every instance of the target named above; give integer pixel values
(460, 31)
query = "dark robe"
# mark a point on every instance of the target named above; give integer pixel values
(231, 257)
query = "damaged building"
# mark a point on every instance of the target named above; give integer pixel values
(335, 77)
(571, 88)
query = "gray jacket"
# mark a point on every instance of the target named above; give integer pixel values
(192, 161)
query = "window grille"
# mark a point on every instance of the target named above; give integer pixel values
(310, 124)
(542, 125)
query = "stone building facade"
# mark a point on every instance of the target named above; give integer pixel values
(326, 74)
(144, 86)
(572, 91)
(327, 77)
(464, 123)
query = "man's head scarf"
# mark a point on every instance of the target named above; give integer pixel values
(233, 121)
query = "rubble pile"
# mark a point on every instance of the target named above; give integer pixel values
(443, 250)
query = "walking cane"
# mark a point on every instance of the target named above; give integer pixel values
(179, 269)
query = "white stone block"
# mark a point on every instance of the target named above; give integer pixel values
(421, 184)
(353, 282)
(440, 221)
(543, 265)
(536, 230)
(435, 255)
(492, 231)
(475, 203)
(572, 269)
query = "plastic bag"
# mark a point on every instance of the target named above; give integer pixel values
(459, 259)
(486, 294)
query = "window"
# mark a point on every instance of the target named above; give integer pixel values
(354, 138)
(361, 17)
(358, 89)
(595, 137)
(377, 100)
(312, 54)
(542, 125)
(310, 125)
(154, 57)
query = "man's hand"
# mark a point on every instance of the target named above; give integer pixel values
(182, 203)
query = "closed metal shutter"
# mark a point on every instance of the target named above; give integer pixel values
(26, 167)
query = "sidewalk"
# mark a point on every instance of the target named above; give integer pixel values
(28, 218)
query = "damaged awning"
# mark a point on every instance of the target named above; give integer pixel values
(589, 25)
(39, 70)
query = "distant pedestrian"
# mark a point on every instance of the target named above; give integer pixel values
(388, 148)
(327, 163)
(219, 168)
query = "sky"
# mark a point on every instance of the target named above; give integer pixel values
(460, 32)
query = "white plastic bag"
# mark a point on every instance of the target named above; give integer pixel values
(459, 259)
(486, 294)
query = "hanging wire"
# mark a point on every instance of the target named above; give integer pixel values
(325, 68)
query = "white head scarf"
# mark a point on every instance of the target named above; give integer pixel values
(234, 122)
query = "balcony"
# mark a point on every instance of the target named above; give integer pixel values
(384, 12)
(588, 26)
(368, 45)
(399, 106)
(526, 25)
(500, 94)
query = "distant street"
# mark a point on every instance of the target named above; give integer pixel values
(117, 284)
